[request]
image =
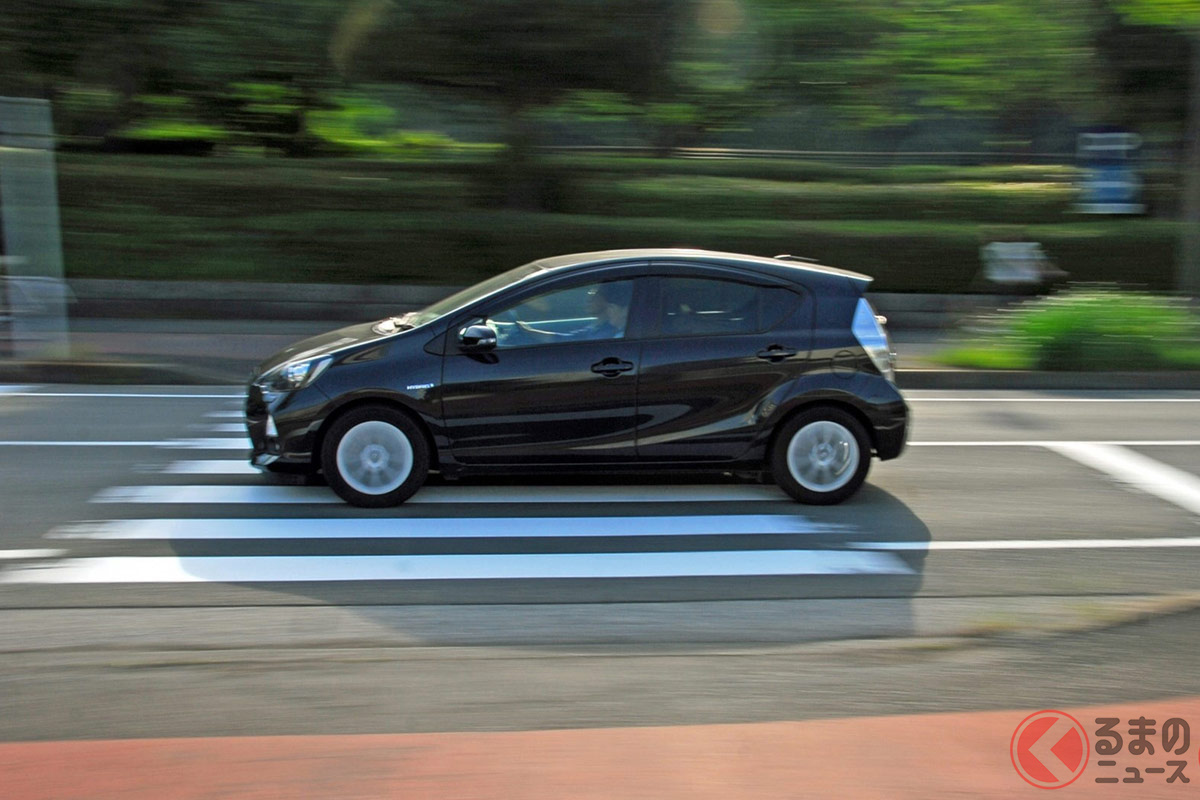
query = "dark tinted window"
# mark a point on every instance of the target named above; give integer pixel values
(704, 306)
(579, 314)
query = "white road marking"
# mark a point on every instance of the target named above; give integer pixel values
(151, 395)
(443, 494)
(226, 427)
(13, 555)
(1046, 443)
(233, 414)
(79, 444)
(1033, 544)
(214, 467)
(240, 443)
(444, 527)
(177, 444)
(524, 566)
(1134, 469)
(917, 399)
(16, 389)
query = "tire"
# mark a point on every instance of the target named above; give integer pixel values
(821, 456)
(374, 457)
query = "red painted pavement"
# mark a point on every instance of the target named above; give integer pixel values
(925, 756)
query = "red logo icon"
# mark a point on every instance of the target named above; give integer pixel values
(1049, 749)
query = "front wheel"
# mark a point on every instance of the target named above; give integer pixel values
(821, 456)
(374, 457)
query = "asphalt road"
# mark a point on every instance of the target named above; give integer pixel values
(150, 585)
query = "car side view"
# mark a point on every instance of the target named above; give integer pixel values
(615, 361)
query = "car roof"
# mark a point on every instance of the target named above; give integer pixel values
(793, 270)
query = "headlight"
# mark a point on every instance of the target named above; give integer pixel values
(293, 375)
(868, 329)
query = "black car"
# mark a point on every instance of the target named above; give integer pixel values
(611, 361)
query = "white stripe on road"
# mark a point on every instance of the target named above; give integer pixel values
(1045, 443)
(16, 389)
(13, 555)
(126, 394)
(240, 443)
(1136, 470)
(176, 444)
(237, 414)
(524, 566)
(214, 467)
(444, 527)
(914, 399)
(443, 494)
(1033, 544)
(225, 427)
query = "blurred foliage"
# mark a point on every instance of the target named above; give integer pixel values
(240, 80)
(1089, 328)
(357, 220)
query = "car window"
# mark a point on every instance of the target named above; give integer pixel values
(592, 312)
(706, 306)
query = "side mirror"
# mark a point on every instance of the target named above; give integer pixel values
(477, 338)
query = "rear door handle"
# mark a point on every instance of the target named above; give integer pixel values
(776, 352)
(611, 367)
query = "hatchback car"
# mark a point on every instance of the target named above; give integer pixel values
(658, 360)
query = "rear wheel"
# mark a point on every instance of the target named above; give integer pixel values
(821, 456)
(375, 456)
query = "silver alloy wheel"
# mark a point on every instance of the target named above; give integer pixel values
(823, 456)
(374, 457)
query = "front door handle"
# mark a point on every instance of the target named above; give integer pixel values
(611, 367)
(776, 352)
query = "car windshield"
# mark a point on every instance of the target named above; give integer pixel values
(469, 295)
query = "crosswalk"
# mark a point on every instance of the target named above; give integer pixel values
(196, 515)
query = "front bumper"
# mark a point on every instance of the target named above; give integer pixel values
(282, 428)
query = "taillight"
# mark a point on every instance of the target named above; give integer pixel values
(868, 328)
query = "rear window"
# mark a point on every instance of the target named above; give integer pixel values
(708, 307)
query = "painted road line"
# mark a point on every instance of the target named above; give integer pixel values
(1032, 544)
(239, 443)
(1049, 443)
(520, 566)
(445, 528)
(444, 494)
(176, 444)
(149, 395)
(232, 414)
(15, 555)
(17, 389)
(213, 467)
(79, 444)
(224, 427)
(1134, 469)
(912, 399)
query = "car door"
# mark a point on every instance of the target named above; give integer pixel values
(560, 385)
(722, 349)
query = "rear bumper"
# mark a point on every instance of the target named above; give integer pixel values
(890, 440)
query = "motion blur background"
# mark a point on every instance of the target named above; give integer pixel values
(422, 141)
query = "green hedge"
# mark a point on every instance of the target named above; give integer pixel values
(359, 221)
(741, 198)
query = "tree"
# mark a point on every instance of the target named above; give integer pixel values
(1183, 14)
(516, 55)
(888, 63)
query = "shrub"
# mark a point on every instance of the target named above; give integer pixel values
(1090, 328)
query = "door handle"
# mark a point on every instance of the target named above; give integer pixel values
(776, 352)
(611, 367)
